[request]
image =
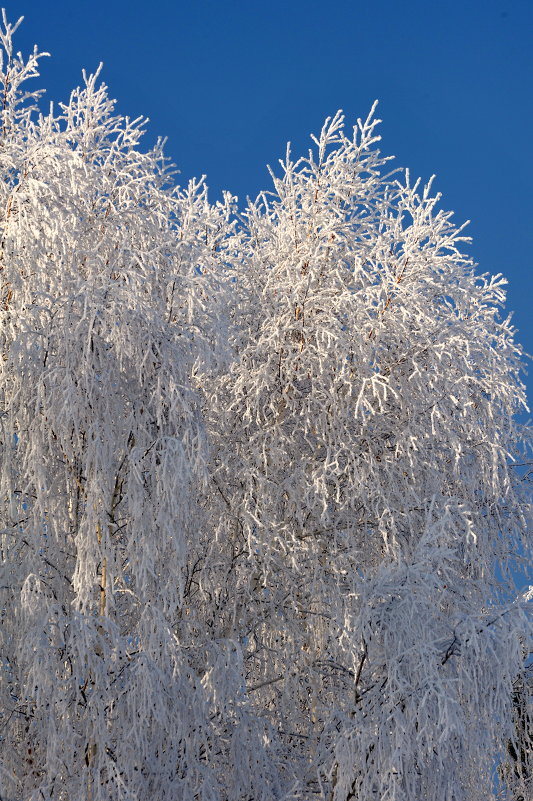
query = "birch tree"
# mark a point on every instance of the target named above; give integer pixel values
(106, 273)
(366, 459)
(261, 495)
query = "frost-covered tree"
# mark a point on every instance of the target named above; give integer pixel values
(365, 464)
(260, 509)
(107, 281)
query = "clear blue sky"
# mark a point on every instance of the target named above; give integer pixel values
(230, 82)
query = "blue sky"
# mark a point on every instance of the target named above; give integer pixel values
(230, 82)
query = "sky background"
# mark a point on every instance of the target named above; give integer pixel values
(230, 82)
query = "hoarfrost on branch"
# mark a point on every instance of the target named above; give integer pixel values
(260, 502)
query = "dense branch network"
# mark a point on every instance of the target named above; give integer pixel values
(262, 493)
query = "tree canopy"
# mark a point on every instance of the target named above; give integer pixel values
(261, 487)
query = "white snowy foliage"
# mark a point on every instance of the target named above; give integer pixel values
(259, 503)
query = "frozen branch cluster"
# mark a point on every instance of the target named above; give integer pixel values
(260, 508)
